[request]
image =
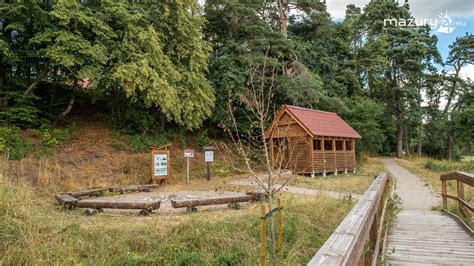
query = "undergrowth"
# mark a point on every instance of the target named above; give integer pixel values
(450, 166)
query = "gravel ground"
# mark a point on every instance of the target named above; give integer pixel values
(414, 193)
(300, 190)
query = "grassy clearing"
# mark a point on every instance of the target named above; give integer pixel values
(351, 183)
(431, 169)
(34, 231)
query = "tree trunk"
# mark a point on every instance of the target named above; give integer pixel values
(449, 149)
(420, 141)
(282, 18)
(400, 139)
(3, 80)
(162, 120)
(406, 141)
(35, 83)
(69, 105)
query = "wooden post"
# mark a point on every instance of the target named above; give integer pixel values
(445, 199)
(187, 170)
(311, 150)
(323, 150)
(334, 154)
(280, 229)
(263, 238)
(208, 171)
(460, 186)
(345, 155)
(208, 159)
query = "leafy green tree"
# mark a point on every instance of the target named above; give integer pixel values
(165, 62)
(366, 116)
(138, 51)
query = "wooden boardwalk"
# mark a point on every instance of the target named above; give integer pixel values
(421, 236)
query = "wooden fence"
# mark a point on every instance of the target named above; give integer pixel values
(464, 208)
(358, 239)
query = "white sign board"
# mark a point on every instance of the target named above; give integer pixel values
(160, 162)
(188, 153)
(208, 156)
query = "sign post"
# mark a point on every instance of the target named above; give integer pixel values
(188, 154)
(160, 162)
(208, 158)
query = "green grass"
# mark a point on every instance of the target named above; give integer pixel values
(35, 231)
(449, 166)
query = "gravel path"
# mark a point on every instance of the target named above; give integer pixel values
(301, 190)
(414, 193)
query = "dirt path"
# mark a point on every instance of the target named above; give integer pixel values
(419, 235)
(414, 193)
(301, 191)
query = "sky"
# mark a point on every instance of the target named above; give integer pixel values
(459, 12)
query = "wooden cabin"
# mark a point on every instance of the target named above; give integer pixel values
(309, 141)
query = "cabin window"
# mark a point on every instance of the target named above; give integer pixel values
(348, 145)
(339, 145)
(317, 144)
(328, 145)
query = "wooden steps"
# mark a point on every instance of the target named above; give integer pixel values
(428, 238)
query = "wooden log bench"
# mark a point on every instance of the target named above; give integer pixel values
(67, 200)
(231, 201)
(136, 188)
(85, 193)
(145, 207)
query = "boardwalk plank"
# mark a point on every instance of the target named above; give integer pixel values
(420, 236)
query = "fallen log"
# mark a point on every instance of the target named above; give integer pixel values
(118, 205)
(257, 196)
(212, 201)
(145, 188)
(83, 193)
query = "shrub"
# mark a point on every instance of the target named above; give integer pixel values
(202, 139)
(142, 142)
(51, 139)
(21, 110)
(12, 144)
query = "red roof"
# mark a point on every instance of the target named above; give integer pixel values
(321, 123)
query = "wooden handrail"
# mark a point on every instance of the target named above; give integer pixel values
(363, 225)
(464, 207)
(464, 177)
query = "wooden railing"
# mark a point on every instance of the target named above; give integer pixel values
(358, 239)
(464, 207)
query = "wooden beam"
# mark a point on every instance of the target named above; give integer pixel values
(66, 200)
(84, 193)
(346, 245)
(134, 188)
(153, 205)
(210, 201)
(464, 177)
